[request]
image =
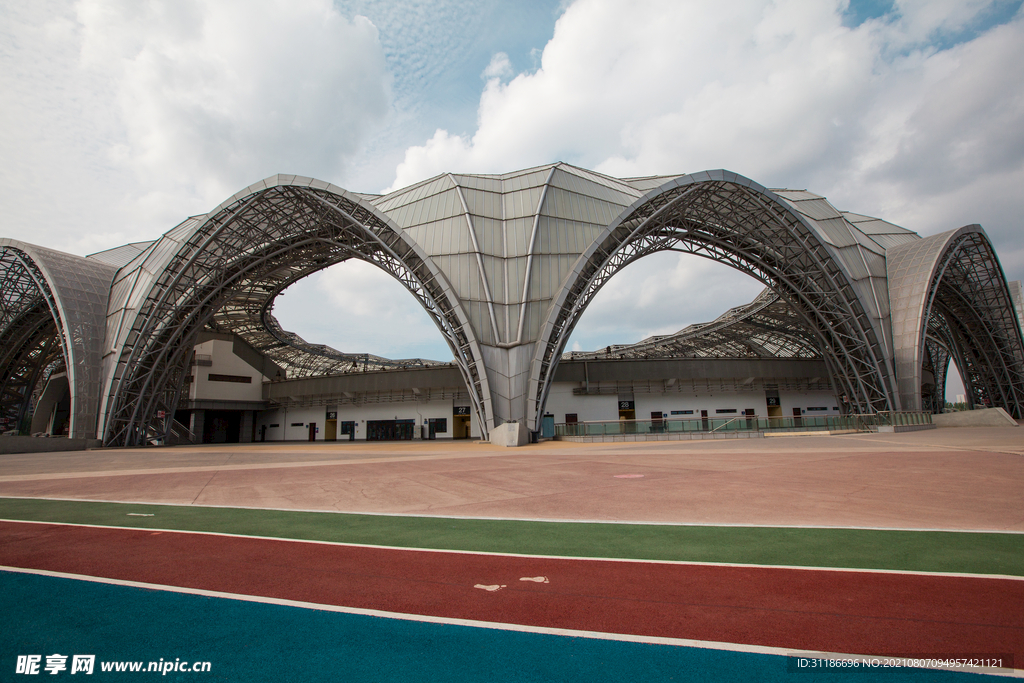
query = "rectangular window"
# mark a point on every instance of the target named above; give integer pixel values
(721, 411)
(817, 409)
(571, 418)
(240, 379)
(440, 424)
(682, 412)
(298, 424)
(274, 426)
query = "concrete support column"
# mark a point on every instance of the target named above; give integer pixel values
(197, 424)
(245, 429)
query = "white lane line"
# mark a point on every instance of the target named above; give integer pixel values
(575, 558)
(552, 520)
(572, 633)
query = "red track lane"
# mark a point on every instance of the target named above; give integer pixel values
(832, 611)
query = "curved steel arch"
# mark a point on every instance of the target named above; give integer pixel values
(727, 218)
(950, 289)
(70, 291)
(29, 346)
(257, 242)
(971, 293)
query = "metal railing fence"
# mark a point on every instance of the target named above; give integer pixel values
(751, 423)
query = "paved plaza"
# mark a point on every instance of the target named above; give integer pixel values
(964, 479)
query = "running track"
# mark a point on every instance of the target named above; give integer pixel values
(863, 612)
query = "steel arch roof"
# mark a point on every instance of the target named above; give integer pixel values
(224, 269)
(506, 264)
(75, 291)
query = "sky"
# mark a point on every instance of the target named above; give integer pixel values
(120, 118)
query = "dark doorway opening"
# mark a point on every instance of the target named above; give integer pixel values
(348, 428)
(222, 426)
(389, 430)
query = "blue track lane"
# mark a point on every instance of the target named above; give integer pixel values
(248, 641)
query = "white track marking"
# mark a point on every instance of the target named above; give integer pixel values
(572, 633)
(575, 558)
(623, 522)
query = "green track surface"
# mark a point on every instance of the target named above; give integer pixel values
(929, 551)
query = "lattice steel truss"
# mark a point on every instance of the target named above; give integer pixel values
(506, 265)
(52, 307)
(29, 347)
(949, 293)
(247, 313)
(767, 327)
(726, 218)
(969, 291)
(244, 252)
(936, 363)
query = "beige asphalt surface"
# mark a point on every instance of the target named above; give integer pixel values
(969, 478)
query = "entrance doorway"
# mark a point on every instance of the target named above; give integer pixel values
(312, 431)
(627, 410)
(461, 422)
(435, 426)
(331, 430)
(389, 430)
(348, 428)
(222, 426)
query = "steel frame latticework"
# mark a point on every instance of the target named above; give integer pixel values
(30, 340)
(969, 291)
(936, 363)
(767, 327)
(253, 246)
(506, 264)
(247, 313)
(729, 219)
(949, 290)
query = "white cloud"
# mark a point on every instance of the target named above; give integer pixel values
(889, 118)
(358, 308)
(499, 67)
(660, 294)
(779, 91)
(216, 95)
(130, 116)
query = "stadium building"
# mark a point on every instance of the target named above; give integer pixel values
(174, 340)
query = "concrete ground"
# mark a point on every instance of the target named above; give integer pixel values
(970, 478)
